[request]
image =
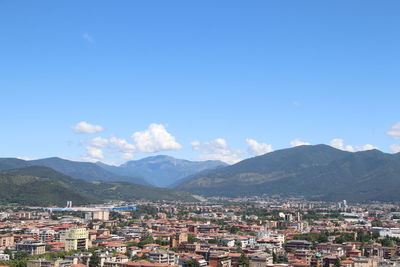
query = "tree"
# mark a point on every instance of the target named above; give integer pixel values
(8, 252)
(137, 258)
(376, 223)
(192, 238)
(144, 240)
(238, 244)
(21, 255)
(274, 258)
(161, 242)
(243, 261)
(386, 242)
(191, 263)
(375, 235)
(94, 260)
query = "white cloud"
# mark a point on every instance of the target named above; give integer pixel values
(339, 144)
(217, 149)
(88, 37)
(94, 153)
(122, 146)
(394, 131)
(156, 138)
(114, 145)
(366, 147)
(255, 148)
(395, 148)
(127, 156)
(297, 142)
(85, 127)
(99, 142)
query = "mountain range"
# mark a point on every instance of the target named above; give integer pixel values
(43, 186)
(80, 170)
(318, 172)
(162, 171)
(53, 181)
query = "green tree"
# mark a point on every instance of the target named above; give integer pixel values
(21, 255)
(94, 260)
(386, 242)
(192, 239)
(137, 258)
(376, 224)
(144, 240)
(274, 258)
(191, 263)
(8, 252)
(238, 244)
(375, 235)
(243, 261)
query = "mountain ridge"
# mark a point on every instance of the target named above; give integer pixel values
(82, 170)
(317, 172)
(162, 170)
(39, 185)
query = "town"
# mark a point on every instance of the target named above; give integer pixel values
(212, 133)
(217, 232)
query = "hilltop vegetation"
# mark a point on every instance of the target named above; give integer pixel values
(316, 172)
(38, 185)
(80, 170)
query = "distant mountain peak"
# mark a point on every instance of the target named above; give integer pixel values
(164, 170)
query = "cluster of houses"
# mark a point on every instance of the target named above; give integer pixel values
(207, 234)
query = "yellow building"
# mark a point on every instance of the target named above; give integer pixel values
(6, 240)
(77, 238)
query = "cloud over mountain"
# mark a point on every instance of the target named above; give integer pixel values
(339, 144)
(297, 142)
(395, 148)
(156, 138)
(217, 149)
(94, 153)
(256, 148)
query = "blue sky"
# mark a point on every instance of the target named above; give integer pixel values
(196, 79)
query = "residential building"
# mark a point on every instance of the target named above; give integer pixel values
(77, 238)
(32, 247)
(163, 256)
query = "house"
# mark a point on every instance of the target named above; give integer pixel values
(292, 245)
(32, 247)
(143, 263)
(6, 240)
(163, 256)
(116, 246)
(76, 238)
(219, 260)
(260, 259)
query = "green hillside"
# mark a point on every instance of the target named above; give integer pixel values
(81, 170)
(315, 172)
(38, 185)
